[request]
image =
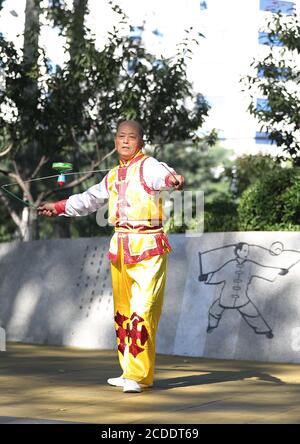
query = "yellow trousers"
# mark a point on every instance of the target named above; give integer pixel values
(138, 297)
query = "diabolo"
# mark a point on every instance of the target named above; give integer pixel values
(62, 168)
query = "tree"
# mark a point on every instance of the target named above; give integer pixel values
(27, 109)
(272, 203)
(75, 108)
(277, 79)
(202, 165)
(247, 169)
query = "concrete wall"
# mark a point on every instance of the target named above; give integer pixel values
(59, 292)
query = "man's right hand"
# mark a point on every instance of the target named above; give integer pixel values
(47, 209)
(202, 277)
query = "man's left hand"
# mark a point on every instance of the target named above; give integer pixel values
(176, 182)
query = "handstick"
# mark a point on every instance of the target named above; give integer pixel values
(176, 183)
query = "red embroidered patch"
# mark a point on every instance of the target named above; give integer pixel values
(132, 332)
(121, 333)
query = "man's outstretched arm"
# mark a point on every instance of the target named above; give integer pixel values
(78, 204)
(159, 175)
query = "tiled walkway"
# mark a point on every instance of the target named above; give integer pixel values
(47, 384)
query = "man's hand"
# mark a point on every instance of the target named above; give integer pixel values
(47, 209)
(283, 271)
(202, 277)
(176, 181)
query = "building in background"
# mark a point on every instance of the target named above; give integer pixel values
(234, 36)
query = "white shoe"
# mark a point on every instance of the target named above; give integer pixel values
(131, 386)
(117, 382)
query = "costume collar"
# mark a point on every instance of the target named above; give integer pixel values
(136, 157)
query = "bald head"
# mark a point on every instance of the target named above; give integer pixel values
(133, 123)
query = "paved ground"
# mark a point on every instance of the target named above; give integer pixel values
(46, 384)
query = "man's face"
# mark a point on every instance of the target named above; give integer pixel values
(243, 253)
(128, 140)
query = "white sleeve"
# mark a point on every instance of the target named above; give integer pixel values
(155, 173)
(87, 202)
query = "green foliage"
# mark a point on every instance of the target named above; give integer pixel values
(85, 98)
(247, 169)
(73, 110)
(279, 85)
(7, 228)
(221, 215)
(245, 176)
(199, 164)
(273, 203)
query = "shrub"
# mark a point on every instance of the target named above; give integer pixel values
(220, 215)
(272, 203)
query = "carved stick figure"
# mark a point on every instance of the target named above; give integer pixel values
(236, 275)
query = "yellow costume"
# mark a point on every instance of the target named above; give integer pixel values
(137, 253)
(138, 267)
(138, 296)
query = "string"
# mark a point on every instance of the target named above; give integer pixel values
(170, 173)
(3, 187)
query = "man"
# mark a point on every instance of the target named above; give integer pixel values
(138, 249)
(236, 276)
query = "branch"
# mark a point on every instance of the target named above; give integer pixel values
(6, 150)
(43, 160)
(98, 149)
(6, 173)
(78, 146)
(21, 183)
(97, 143)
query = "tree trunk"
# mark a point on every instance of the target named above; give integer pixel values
(29, 226)
(76, 36)
(31, 52)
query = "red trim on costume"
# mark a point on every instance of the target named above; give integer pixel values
(121, 332)
(132, 161)
(128, 226)
(163, 242)
(122, 171)
(111, 257)
(60, 206)
(142, 179)
(121, 188)
(162, 247)
(114, 257)
(122, 202)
